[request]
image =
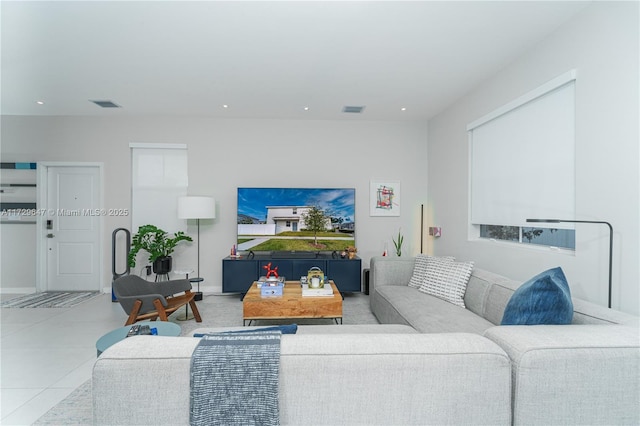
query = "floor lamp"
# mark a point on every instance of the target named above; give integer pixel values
(197, 208)
(588, 221)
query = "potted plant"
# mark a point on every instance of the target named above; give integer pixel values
(398, 243)
(159, 246)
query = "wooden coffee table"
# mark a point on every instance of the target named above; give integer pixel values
(291, 304)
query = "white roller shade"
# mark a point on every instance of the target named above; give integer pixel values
(523, 159)
(159, 178)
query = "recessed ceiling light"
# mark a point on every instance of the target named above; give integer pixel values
(403, 109)
(306, 108)
(40, 102)
(225, 106)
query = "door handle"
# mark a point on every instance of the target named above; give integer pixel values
(50, 235)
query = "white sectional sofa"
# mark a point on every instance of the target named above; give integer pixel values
(329, 375)
(428, 363)
(585, 373)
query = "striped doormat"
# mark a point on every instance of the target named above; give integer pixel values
(50, 299)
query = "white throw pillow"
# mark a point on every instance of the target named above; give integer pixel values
(420, 268)
(447, 280)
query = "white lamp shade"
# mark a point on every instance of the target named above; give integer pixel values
(196, 208)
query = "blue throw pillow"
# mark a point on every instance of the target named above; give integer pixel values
(284, 329)
(544, 299)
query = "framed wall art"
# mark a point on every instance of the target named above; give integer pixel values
(384, 198)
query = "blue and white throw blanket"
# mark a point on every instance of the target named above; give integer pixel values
(234, 379)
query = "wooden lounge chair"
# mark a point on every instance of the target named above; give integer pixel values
(146, 300)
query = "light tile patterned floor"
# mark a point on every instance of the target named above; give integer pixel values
(46, 353)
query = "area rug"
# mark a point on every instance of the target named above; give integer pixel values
(50, 299)
(216, 311)
(75, 409)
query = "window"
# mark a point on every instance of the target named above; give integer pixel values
(523, 166)
(159, 176)
(553, 237)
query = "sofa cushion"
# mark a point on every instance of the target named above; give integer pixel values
(447, 280)
(425, 313)
(544, 299)
(573, 374)
(422, 264)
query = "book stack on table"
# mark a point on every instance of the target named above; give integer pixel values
(325, 291)
(271, 287)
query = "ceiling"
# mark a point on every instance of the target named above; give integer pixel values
(266, 59)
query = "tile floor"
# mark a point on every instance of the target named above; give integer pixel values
(46, 353)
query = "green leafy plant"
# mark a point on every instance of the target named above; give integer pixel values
(398, 243)
(154, 241)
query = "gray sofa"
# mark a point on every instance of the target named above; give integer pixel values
(329, 375)
(429, 362)
(584, 373)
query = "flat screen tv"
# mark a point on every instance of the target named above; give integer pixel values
(296, 219)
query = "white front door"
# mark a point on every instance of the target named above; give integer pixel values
(72, 228)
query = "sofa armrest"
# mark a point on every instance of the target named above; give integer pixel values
(387, 270)
(577, 374)
(143, 380)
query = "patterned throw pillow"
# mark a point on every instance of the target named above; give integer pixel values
(447, 280)
(420, 268)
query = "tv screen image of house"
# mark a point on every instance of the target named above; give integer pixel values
(296, 219)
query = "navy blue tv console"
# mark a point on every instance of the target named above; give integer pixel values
(239, 273)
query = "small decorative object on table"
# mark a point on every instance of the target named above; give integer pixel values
(315, 278)
(270, 271)
(234, 252)
(141, 330)
(351, 252)
(271, 285)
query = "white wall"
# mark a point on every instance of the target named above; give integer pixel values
(226, 154)
(602, 45)
(17, 250)
(18, 237)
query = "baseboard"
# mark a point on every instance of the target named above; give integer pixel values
(207, 289)
(17, 290)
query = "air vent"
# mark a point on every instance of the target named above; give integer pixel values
(353, 109)
(106, 104)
